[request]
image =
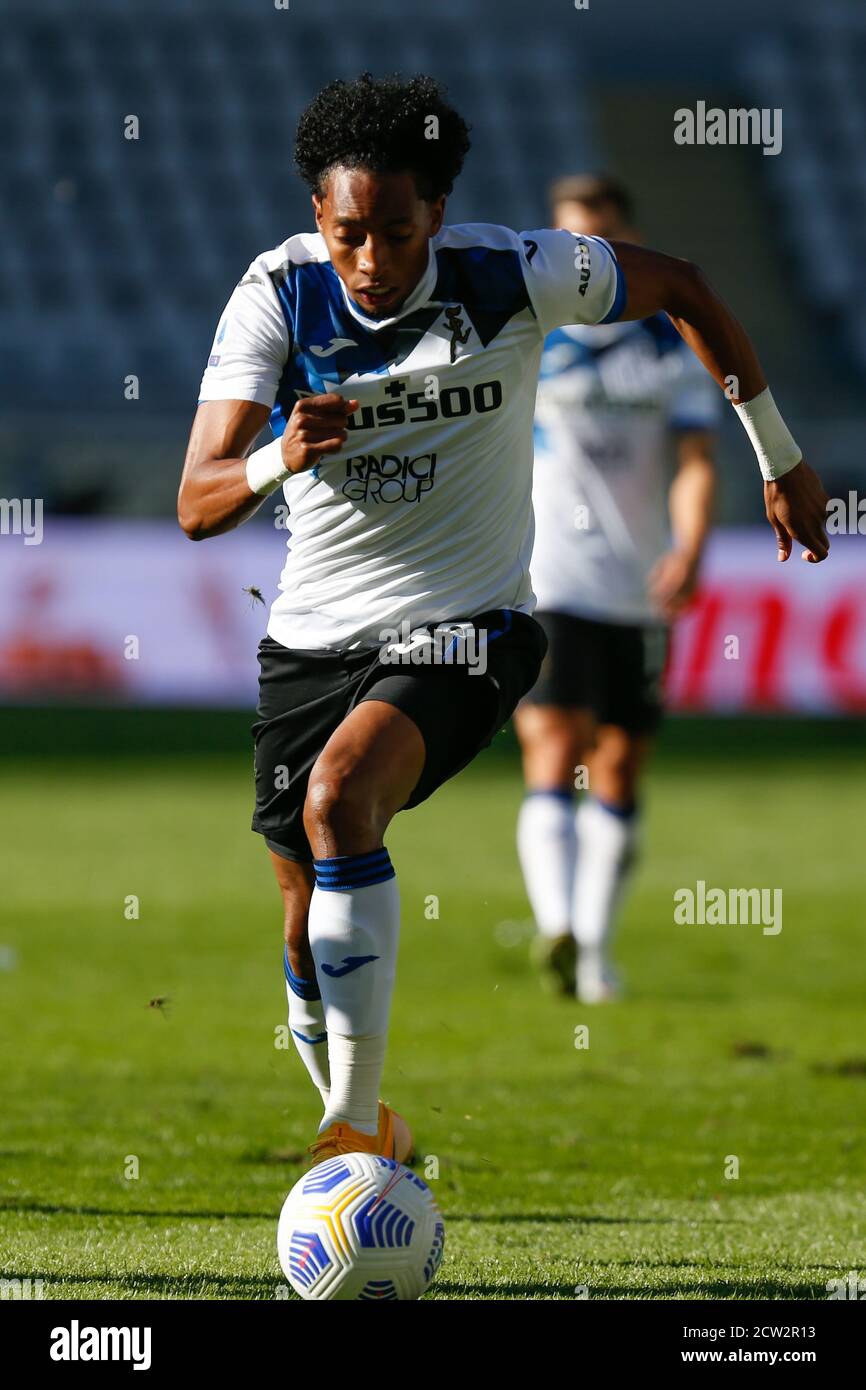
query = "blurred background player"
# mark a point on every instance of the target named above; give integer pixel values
(616, 558)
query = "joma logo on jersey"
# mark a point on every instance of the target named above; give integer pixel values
(419, 408)
(389, 478)
(582, 264)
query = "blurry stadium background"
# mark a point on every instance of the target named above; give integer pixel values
(117, 256)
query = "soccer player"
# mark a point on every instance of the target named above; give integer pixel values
(397, 361)
(608, 578)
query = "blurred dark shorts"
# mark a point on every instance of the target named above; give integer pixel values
(616, 670)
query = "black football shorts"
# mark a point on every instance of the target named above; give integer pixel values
(305, 695)
(615, 670)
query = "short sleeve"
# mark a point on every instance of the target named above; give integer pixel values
(695, 402)
(571, 279)
(251, 344)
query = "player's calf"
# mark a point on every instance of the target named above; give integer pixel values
(365, 773)
(295, 882)
(305, 1008)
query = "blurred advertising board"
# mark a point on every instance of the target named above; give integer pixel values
(133, 612)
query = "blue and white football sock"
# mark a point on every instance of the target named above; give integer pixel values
(547, 848)
(354, 927)
(307, 1027)
(606, 849)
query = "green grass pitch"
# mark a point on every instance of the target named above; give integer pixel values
(562, 1171)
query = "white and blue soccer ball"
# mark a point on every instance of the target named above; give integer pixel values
(360, 1227)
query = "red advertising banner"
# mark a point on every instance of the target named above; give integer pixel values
(768, 636)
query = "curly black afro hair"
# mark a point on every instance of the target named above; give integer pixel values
(383, 124)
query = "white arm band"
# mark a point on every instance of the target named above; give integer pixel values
(771, 439)
(266, 470)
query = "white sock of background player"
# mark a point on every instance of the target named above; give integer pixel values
(354, 928)
(606, 850)
(547, 848)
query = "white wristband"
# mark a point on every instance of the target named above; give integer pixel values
(771, 439)
(266, 470)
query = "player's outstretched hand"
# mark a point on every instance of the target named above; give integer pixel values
(316, 426)
(796, 507)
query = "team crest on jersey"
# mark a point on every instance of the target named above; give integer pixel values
(460, 335)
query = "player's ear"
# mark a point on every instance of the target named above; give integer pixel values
(437, 214)
(318, 210)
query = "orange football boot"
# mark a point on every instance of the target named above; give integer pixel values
(392, 1140)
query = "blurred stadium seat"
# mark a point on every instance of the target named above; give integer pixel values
(117, 255)
(815, 71)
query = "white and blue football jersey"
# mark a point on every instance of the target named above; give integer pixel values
(426, 514)
(609, 400)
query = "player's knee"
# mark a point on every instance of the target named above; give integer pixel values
(339, 813)
(554, 743)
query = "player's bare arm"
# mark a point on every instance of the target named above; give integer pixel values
(215, 489)
(692, 494)
(796, 501)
